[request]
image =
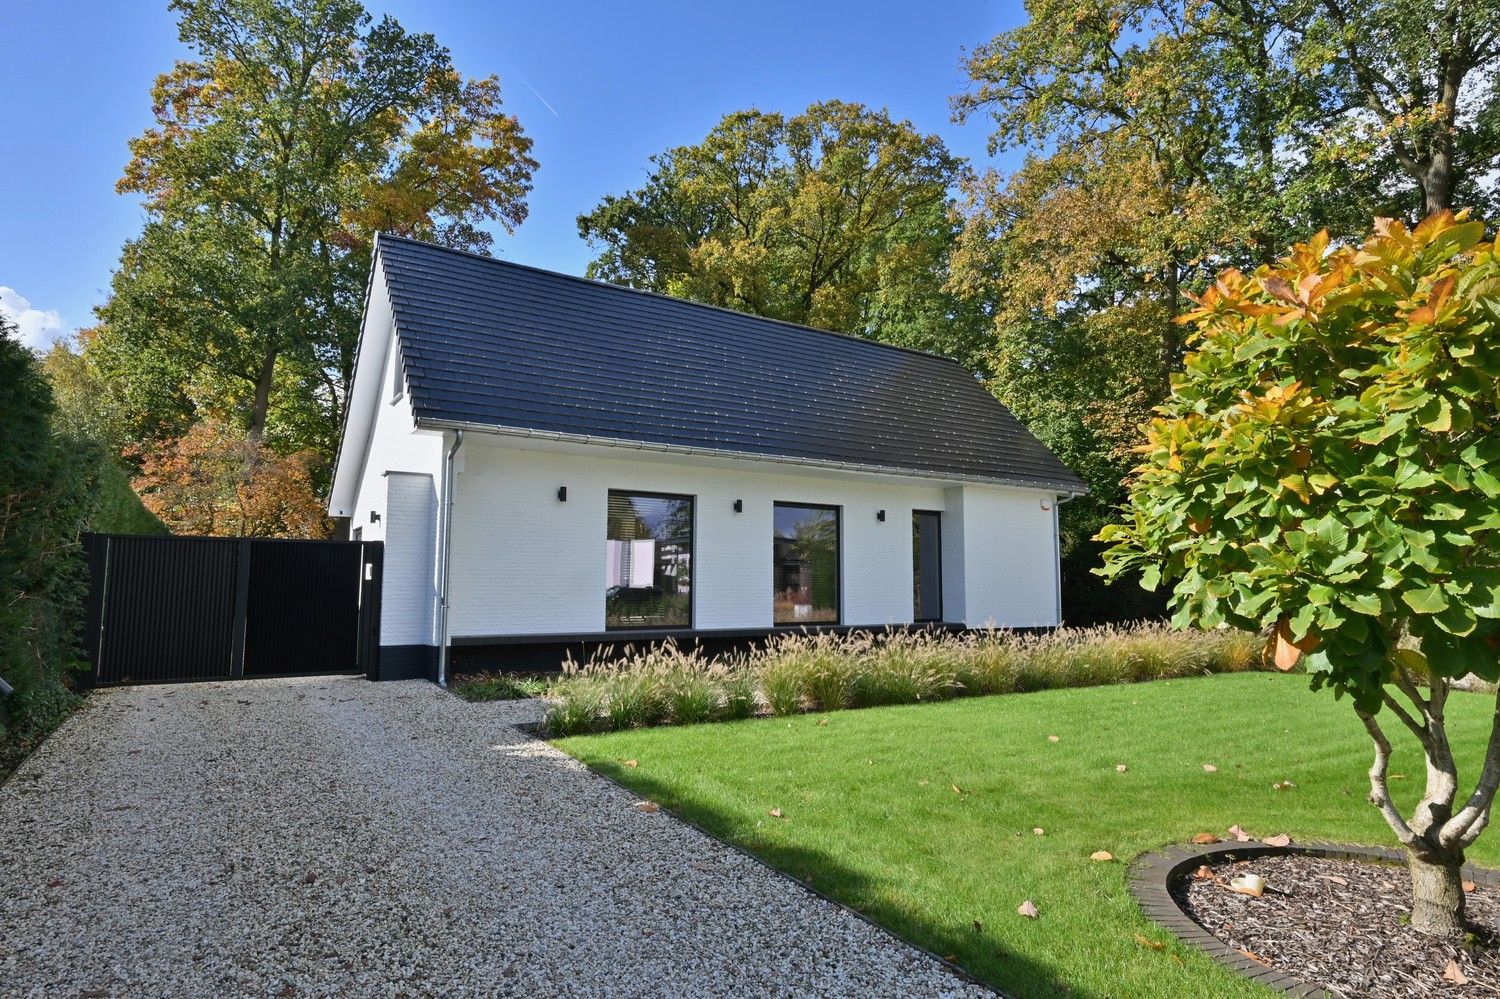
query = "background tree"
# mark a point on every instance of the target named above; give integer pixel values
(837, 217)
(299, 129)
(1326, 469)
(1168, 140)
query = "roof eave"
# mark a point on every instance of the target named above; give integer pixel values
(1059, 487)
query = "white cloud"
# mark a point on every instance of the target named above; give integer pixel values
(38, 327)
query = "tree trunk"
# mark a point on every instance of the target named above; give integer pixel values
(1437, 892)
(262, 404)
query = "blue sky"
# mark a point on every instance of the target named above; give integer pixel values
(623, 81)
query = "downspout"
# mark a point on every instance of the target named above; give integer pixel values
(443, 546)
(1057, 546)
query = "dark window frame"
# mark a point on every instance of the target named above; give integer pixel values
(692, 501)
(838, 565)
(937, 516)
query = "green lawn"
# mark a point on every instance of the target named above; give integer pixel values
(872, 817)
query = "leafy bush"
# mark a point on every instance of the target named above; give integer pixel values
(827, 672)
(53, 487)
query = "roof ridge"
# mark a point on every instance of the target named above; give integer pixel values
(595, 282)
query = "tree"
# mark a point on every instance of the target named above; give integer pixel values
(838, 217)
(300, 128)
(1414, 84)
(215, 480)
(1168, 140)
(1325, 469)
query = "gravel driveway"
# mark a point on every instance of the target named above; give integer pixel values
(331, 836)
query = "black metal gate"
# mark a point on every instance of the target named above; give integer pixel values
(167, 609)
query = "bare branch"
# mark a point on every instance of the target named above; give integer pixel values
(1484, 791)
(1418, 729)
(1380, 795)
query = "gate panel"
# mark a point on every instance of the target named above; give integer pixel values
(167, 609)
(303, 610)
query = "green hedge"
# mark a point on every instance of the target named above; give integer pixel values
(54, 486)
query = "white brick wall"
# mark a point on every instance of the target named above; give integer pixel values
(408, 590)
(526, 564)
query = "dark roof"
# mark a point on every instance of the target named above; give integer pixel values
(492, 343)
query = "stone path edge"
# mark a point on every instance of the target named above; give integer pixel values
(532, 730)
(1151, 876)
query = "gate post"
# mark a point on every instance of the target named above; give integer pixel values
(241, 609)
(372, 558)
(96, 556)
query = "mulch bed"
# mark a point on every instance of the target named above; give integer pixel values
(1340, 924)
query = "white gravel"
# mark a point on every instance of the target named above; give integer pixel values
(335, 837)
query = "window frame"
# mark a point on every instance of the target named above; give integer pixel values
(692, 501)
(937, 518)
(838, 565)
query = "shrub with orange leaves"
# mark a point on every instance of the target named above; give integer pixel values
(1328, 469)
(214, 480)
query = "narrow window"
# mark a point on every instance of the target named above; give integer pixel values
(926, 565)
(805, 573)
(648, 561)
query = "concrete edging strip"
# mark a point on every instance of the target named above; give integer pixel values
(1152, 875)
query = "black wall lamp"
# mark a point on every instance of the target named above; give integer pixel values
(562, 494)
(880, 516)
(374, 517)
(739, 506)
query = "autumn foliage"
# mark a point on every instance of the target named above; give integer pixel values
(1326, 470)
(214, 480)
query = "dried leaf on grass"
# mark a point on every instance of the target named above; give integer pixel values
(1280, 839)
(1203, 839)
(1209, 768)
(1239, 835)
(1101, 855)
(775, 813)
(631, 763)
(1148, 942)
(1120, 768)
(1051, 738)
(1027, 909)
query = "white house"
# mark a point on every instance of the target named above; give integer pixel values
(552, 461)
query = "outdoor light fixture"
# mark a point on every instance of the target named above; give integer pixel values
(374, 517)
(739, 506)
(562, 494)
(880, 516)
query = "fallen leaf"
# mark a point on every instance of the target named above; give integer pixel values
(311, 878)
(1203, 873)
(1203, 839)
(1026, 909)
(1281, 839)
(923, 783)
(287, 992)
(631, 763)
(957, 789)
(1120, 768)
(1283, 785)
(1239, 834)
(1039, 831)
(1335, 879)
(55, 883)
(1101, 855)
(1469, 886)
(1251, 955)
(1148, 942)
(1051, 738)
(775, 813)
(1453, 973)
(647, 806)
(1248, 884)
(1209, 768)
(822, 721)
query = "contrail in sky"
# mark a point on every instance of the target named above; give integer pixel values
(539, 97)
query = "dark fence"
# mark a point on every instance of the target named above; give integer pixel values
(168, 609)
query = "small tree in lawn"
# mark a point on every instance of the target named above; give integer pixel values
(1328, 468)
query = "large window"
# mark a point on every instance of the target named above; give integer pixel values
(806, 564)
(648, 562)
(927, 565)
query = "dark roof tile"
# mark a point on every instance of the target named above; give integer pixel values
(493, 343)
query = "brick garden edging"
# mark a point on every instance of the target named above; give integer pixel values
(1152, 875)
